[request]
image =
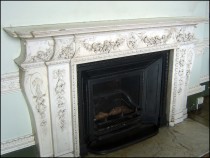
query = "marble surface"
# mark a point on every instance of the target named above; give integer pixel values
(47, 30)
(186, 139)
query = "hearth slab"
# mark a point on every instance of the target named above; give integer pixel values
(187, 139)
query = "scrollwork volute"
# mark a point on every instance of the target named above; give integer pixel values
(39, 51)
(49, 50)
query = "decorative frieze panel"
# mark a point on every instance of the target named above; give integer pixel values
(48, 67)
(137, 39)
(89, 45)
(66, 47)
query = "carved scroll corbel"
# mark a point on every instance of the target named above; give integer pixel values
(44, 51)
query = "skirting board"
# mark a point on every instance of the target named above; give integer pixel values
(196, 89)
(10, 82)
(17, 144)
(204, 78)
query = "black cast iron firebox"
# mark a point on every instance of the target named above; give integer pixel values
(121, 101)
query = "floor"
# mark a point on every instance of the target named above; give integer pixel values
(201, 115)
(187, 139)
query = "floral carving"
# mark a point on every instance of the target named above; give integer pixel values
(44, 51)
(155, 40)
(182, 36)
(132, 42)
(188, 64)
(180, 63)
(60, 92)
(41, 56)
(104, 47)
(40, 100)
(66, 52)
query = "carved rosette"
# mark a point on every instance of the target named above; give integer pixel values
(39, 97)
(60, 93)
(103, 47)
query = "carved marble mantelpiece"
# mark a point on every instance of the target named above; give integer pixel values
(48, 66)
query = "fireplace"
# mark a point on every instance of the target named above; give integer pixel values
(63, 84)
(121, 101)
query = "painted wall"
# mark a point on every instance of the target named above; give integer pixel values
(15, 120)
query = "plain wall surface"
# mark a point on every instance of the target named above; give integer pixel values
(15, 120)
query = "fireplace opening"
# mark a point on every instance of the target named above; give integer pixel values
(121, 101)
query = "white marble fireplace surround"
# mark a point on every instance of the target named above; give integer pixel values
(48, 69)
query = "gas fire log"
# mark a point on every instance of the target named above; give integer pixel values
(119, 110)
(101, 116)
(126, 110)
(114, 111)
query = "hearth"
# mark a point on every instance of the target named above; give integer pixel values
(121, 101)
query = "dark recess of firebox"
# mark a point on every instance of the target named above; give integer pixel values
(115, 111)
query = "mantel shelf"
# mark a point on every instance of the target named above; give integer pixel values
(47, 30)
